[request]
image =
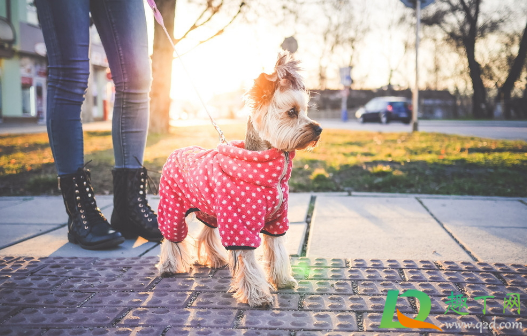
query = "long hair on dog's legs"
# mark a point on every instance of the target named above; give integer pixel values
(248, 279)
(277, 263)
(174, 258)
(210, 251)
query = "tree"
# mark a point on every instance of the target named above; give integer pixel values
(515, 70)
(163, 56)
(345, 28)
(462, 23)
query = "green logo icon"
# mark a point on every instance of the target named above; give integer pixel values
(404, 321)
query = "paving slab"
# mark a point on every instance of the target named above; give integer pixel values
(384, 228)
(41, 210)
(14, 233)
(56, 244)
(493, 231)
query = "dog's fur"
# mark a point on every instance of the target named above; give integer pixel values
(278, 104)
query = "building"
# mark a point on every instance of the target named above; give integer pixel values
(23, 68)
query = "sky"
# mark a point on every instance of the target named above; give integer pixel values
(231, 61)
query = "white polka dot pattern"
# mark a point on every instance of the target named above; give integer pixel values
(234, 189)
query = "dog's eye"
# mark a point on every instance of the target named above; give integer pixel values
(292, 112)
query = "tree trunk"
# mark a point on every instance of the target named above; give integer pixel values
(504, 92)
(162, 59)
(479, 97)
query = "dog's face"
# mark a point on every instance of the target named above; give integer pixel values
(279, 108)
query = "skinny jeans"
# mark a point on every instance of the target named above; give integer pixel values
(121, 25)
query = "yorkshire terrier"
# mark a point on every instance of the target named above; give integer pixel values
(240, 190)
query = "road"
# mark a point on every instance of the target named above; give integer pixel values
(494, 129)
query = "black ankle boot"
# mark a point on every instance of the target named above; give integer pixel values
(87, 226)
(132, 215)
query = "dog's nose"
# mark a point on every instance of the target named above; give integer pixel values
(317, 129)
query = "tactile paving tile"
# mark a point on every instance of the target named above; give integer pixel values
(433, 288)
(4, 260)
(224, 332)
(391, 263)
(501, 327)
(139, 299)
(354, 274)
(225, 300)
(510, 268)
(17, 331)
(80, 271)
(197, 318)
(498, 291)
(190, 284)
(294, 320)
(322, 333)
(450, 276)
(20, 267)
(382, 287)
(61, 317)
(196, 272)
(372, 322)
(351, 302)
(493, 307)
(32, 282)
(104, 284)
(465, 266)
(139, 331)
(318, 262)
(515, 279)
(41, 298)
(81, 261)
(142, 271)
(126, 262)
(222, 273)
(6, 311)
(322, 287)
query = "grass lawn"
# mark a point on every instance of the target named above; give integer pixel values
(428, 163)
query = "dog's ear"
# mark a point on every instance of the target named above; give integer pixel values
(262, 91)
(287, 70)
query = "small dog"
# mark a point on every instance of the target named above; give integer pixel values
(240, 190)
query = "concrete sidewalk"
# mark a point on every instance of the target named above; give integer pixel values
(347, 253)
(365, 225)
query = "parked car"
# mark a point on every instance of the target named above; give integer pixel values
(386, 109)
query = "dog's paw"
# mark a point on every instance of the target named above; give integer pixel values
(288, 284)
(260, 300)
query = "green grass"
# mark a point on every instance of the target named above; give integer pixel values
(428, 163)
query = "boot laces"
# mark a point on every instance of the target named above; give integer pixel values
(145, 181)
(85, 198)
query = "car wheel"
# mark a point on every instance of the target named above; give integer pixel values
(406, 121)
(384, 118)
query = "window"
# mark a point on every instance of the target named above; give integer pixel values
(31, 13)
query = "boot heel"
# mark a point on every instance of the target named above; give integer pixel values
(72, 239)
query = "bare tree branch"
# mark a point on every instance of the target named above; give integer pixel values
(219, 32)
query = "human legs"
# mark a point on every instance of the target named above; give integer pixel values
(65, 25)
(122, 27)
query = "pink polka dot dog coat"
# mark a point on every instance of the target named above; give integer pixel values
(240, 192)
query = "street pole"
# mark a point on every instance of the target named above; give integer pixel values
(415, 96)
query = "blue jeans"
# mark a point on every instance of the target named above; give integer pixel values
(122, 27)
